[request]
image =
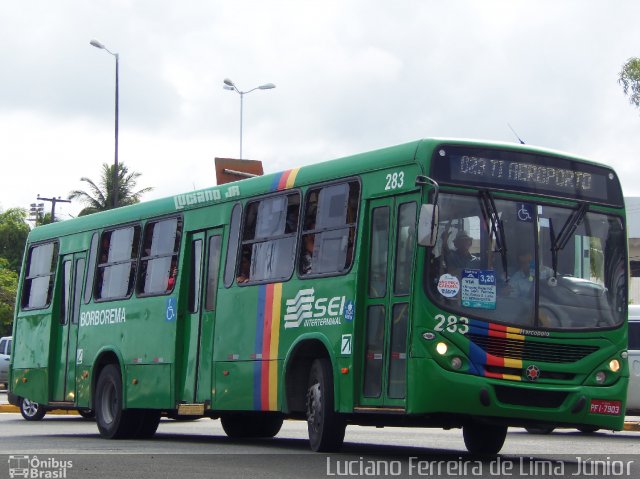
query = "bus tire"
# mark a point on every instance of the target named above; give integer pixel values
(588, 429)
(326, 427)
(31, 411)
(113, 421)
(484, 439)
(238, 425)
(146, 423)
(539, 430)
(87, 413)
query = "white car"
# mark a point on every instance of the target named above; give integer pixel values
(5, 357)
(633, 394)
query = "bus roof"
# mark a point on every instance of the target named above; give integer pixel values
(319, 172)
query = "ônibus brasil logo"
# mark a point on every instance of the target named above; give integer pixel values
(305, 309)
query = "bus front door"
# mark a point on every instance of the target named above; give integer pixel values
(391, 251)
(201, 271)
(63, 369)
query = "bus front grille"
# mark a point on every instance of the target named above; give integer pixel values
(530, 397)
(531, 350)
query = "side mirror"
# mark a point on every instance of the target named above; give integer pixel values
(428, 225)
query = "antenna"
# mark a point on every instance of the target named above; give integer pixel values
(514, 132)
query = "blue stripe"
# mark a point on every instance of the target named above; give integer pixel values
(276, 182)
(257, 365)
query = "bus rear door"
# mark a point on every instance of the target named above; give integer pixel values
(392, 239)
(65, 334)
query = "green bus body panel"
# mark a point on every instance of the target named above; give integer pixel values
(238, 356)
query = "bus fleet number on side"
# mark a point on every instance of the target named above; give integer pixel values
(452, 324)
(395, 180)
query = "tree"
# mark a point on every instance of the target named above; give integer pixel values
(8, 288)
(13, 237)
(630, 80)
(100, 196)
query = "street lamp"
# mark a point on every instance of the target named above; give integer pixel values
(99, 45)
(229, 85)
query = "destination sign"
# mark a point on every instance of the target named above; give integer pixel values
(526, 172)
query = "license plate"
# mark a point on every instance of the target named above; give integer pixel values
(602, 406)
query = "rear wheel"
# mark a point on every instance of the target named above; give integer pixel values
(113, 422)
(588, 429)
(485, 439)
(539, 430)
(238, 425)
(326, 427)
(32, 411)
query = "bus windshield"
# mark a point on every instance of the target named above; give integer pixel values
(528, 265)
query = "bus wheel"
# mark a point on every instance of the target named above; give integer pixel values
(326, 427)
(238, 425)
(146, 422)
(539, 430)
(588, 429)
(484, 439)
(31, 411)
(87, 413)
(113, 421)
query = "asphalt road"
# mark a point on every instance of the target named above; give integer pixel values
(186, 449)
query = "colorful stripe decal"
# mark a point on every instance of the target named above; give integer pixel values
(285, 180)
(265, 370)
(480, 359)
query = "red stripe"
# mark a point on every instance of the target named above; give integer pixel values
(494, 360)
(282, 184)
(266, 343)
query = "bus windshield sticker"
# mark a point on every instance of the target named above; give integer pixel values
(479, 288)
(448, 285)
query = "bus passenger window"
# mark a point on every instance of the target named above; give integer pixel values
(117, 266)
(269, 239)
(159, 258)
(329, 229)
(38, 282)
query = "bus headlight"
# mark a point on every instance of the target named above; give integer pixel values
(614, 365)
(442, 348)
(456, 362)
(600, 377)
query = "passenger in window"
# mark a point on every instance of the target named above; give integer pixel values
(521, 282)
(306, 262)
(245, 268)
(104, 250)
(173, 273)
(460, 258)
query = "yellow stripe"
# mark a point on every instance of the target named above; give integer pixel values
(519, 337)
(514, 330)
(291, 179)
(512, 363)
(273, 347)
(511, 377)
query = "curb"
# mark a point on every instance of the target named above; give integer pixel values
(632, 426)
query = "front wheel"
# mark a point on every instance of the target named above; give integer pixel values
(588, 429)
(32, 411)
(326, 427)
(485, 439)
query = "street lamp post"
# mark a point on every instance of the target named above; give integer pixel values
(99, 45)
(229, 85)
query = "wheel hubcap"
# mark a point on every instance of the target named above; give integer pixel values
(30, 408)
(109, 404)
(314, 405)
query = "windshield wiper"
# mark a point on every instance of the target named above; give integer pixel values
(495, 227)
(558, 243)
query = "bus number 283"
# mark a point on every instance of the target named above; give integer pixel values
(395, 180)
(452, 324)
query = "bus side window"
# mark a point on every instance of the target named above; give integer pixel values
(159, 257)
(38, 282)
(91, 268)
(328, 235)
(232, 245)
(269, 238)
(117, 264)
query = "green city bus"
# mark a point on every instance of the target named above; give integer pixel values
(439, 283)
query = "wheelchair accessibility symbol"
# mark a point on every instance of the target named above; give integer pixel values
(171, 309)
(525, 212)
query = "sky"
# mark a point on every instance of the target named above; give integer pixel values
(350, 75)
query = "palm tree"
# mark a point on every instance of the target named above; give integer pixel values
(100, 196)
